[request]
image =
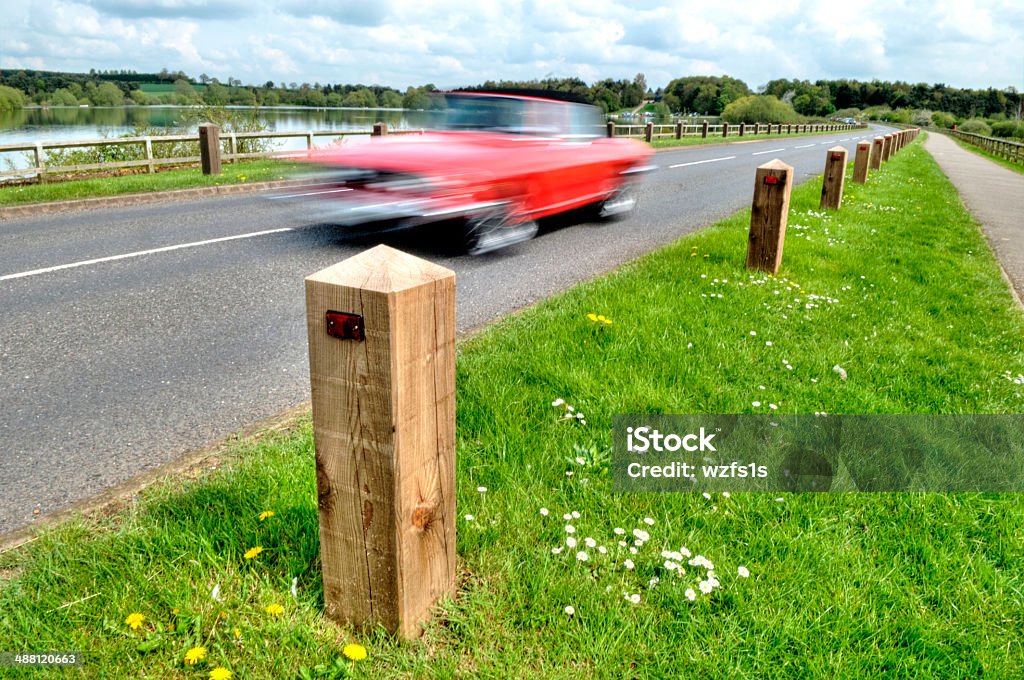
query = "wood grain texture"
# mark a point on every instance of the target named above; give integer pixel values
(861, 162)
(833, 178)
(384, 433)
(768, 216)
(876, 152)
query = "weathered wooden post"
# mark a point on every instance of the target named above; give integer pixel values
(725, 129)
(648, 132)
(832, 181)
(611, 128)
(704, 129)
(679, 130)
(150, 167)
(379, 129)
(876, 153)
(743, 129)
(209, 148)
(861, 162)
(233, 146)
(768, 215)
(886, 147)
(381, 330)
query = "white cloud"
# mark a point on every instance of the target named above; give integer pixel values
(970, 43)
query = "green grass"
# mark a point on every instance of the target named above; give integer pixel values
(1016, 167)
(733, 138)
(841, 585)
(185, 178)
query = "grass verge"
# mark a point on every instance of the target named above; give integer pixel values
(899, 288)
(1016, 167)
(182, 178)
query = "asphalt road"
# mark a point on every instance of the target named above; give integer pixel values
(115, 359)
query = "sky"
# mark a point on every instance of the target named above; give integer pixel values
(452, 43)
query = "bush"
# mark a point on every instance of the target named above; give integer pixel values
(943, 120)
(922, 118)
(10, 98)
(759, 109)
(975, 126)
(1008, 128)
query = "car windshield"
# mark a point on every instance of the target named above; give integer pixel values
(521, 116)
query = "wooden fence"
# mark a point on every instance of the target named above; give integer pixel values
(1011, 151)
(652, 131)
(142, 148)
(231, 142)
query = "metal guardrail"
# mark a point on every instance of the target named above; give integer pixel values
(1011, 151)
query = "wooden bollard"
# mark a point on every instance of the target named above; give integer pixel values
(832, 181)
(861, 162)
(725, 129)
(743, 129)
(768, 214)
(611, 129)
(209, 148)
(649, 132)
(679, 130)
(381, 330)
(878, 143)
(886, 147)
(704, 129)
(379, 130)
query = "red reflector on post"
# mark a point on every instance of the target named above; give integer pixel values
(837, 156)
(345, 326)
(771, 179)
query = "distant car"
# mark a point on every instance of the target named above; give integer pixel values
(501, 161)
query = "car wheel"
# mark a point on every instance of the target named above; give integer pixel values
(495, 229)
(619, 205)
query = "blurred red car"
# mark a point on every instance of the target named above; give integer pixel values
(501, 162)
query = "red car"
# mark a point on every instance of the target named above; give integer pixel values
(501, 162)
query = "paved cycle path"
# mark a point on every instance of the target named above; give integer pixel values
(994, 195)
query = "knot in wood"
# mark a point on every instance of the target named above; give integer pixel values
(423, 515)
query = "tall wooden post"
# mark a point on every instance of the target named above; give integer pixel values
(878, 143)
(768, 215)
(886, 147)
(382, 368)
(832, 181)
(648, 132)
(704, 129)
(611, 128)
(679, 130)
(209, 148)
(379, 130)
(725, 129)
(743, 129)
(150, 167)
(861, 162)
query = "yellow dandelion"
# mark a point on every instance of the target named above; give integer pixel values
(693, 247)
(220, 673)
(195, 655)
(252, 552)
(275, 609)
(693, 254)
(608, 322)
(135, 620)
(266, 514)
(592, 317)
(238, 633)
(354, 652)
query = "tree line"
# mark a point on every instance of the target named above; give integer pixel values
(780, 100)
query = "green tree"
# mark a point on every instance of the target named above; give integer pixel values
(759, 109)
(185, 91)
(63, 97)
(361, 98)
(10, 98)
(390, 99)
(107, 94)
(215, 94)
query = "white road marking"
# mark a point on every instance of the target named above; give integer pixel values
(165, 249)
(805, 146)
(311, 193)
(758, 153)
(710, 160)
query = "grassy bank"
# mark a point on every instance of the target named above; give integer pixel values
(1016, 167)
(184, 178)
(899, 288)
